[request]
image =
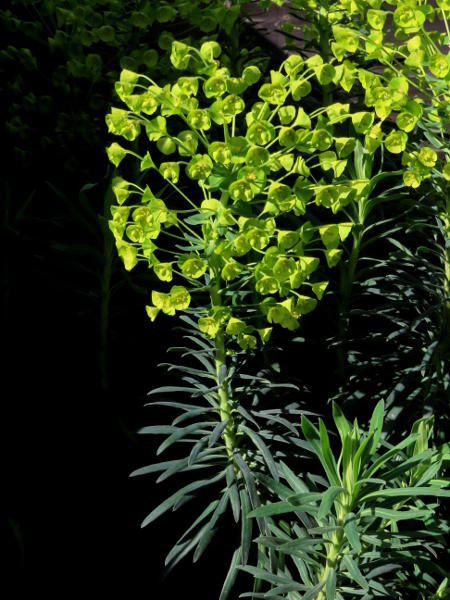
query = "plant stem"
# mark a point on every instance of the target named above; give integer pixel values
(333, 552)
(222, 380)
(229, 435)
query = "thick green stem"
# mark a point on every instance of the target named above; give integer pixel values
(224, 393)
(224, 396)
(333, 555)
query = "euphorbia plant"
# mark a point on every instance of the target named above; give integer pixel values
(235, 224)
(366, 528)
(233, 203)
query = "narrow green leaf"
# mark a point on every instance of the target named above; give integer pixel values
(270, 417)
(241, 410)
(302, 544)
(251, 487)
(284, 589)
(314, 591)
(351, 531)
(358, 458)
(318, 441)
(162, 466)
(192, 532)
(342, 424)
(382, 569)
(188, 370)
(246, 525)
(181, 433)
(157, 429)
(354, 572)
(408, 464)
(304, 570)
(409, 492)
(211, 527)
(178, 466)
(392, 452)
(217, 432)
(320, 530)
(270, 541)
(195, 452)
(178, 405)
(328, 455)
(202, 217)
(231, 575)
(274, 508)
(432, 470)
(267, 455)
(172, 500)
(304, 498)
(266, 576)
(328, 498)
(171, 388)
(274, 486)
(296, 484)
(233, 491)
(376, 426)
(190, 414)
(395, 515)
(260, 595)
(331, 584)
(180, 550)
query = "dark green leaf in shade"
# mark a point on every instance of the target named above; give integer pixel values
(232, 574)
(182, 432)
(196, 449)
(275, 486)
(284, 589)
(328, 498)
(351, 531)
(304, 498)
(408, 464)
(181, 549)
(246, 525)
(212, 526)
(233, 491)
(296, 484)
(331, 584)
(376, 426)
(266, 576)
(157, 429)
(162, 466)
(178, 466)
(303, 544)
(407, 492)
(274, 508)
(251, 488)
(217, 432)
(172, 500)
(191, 536)
(313, 592)
(354, 572)
(267, 455)
(392, 452)
(241, 410)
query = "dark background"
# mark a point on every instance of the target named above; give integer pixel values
(70, 444)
